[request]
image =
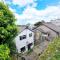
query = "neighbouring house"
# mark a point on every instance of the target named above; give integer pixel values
(25, 39)
(53, 27)
(46, 31)
(37, 36)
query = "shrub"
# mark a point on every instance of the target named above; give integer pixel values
(52, 52)
(4, 52)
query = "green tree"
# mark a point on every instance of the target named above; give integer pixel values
(4, 52)
(8, 29)
(38, 24)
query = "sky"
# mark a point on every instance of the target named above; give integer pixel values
(32, 11)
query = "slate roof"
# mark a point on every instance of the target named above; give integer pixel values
(48, 25)
(52, 27)
(22, 28)
(41, 29)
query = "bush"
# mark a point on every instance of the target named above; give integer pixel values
(52, 52)
(29, 51)
(4, 52)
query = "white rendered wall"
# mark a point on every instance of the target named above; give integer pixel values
(24, 42)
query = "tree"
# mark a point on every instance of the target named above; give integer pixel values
(8, 29)
(4, 52)
(38, 24)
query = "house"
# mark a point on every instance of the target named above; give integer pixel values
(25, 39)
(46, 31)
(53, 27)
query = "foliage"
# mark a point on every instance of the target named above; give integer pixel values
(52, 52)
(38, 24)
(4, 52)
(29, 51)
(8, 28)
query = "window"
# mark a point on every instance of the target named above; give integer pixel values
(23, 49)
(29, 46)
(44, 37)
(22, 58)
(30, 34)
(22, 37)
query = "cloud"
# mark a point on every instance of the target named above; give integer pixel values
(13, 10)
(32, 15)
(2, 1)
(24, 2)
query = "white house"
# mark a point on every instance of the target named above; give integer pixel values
(25, 40)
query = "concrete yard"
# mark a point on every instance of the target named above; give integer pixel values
(37, 51)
